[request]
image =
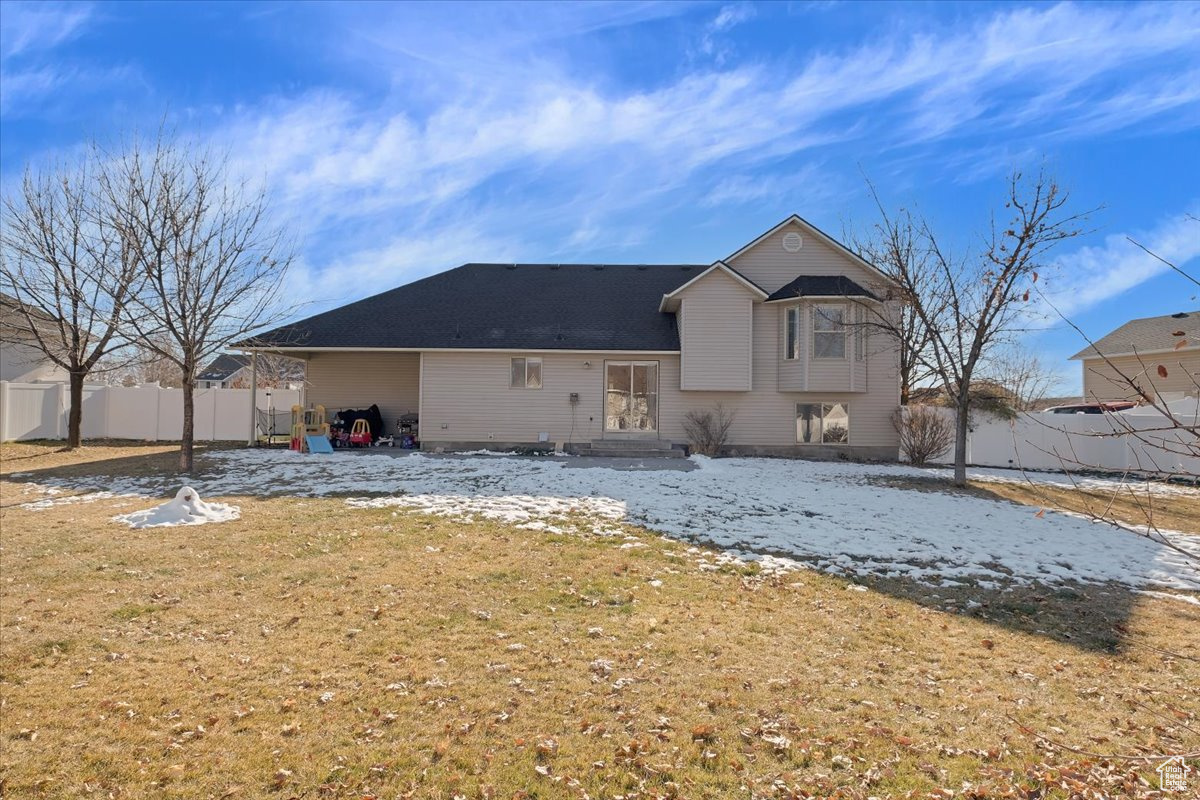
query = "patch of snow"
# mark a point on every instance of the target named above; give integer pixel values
(186, 509)
(834, 516)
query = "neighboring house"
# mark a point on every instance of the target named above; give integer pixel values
(600, 356)
(1161, 355)
(231, 371)
(21, 360)
(225, 370)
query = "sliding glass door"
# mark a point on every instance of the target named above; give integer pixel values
(631, 396)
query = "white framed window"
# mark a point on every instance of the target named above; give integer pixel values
(791, 346)
(829, 331)
(525, 373)
(823, 423)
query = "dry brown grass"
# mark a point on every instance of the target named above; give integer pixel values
(120, 456)
(312, 650)
(1179, 512)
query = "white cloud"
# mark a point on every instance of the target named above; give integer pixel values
(34, 27)
(1092, 275)
(515, 143)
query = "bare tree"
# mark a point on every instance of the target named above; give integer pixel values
(1163, 442)
(895, 245)
(143, 364)
(68, 270)
(273, 372)
(969, 305)
(1020, 373)
(214, 263)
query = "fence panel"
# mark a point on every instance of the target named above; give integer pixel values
(145, 413)
(1076, 442)
(32, 411)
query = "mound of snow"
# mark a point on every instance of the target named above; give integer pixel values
(186, 509)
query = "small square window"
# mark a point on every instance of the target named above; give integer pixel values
(525, 373)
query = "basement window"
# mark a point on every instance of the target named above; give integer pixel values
(823, 423)
(526, 373)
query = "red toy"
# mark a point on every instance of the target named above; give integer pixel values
(360, 433)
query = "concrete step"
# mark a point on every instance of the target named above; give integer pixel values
(632, 444)
(629, 452)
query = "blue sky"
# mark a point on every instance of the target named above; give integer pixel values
(399, 140)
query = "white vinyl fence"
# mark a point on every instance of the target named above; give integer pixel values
(147, 413)
(1084, 441)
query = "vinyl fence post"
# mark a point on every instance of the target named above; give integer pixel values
(3, 411)
(62, 409)
(253, 396)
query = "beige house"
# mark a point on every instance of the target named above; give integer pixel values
(1144, 358)
(608, 359)
(21, 359)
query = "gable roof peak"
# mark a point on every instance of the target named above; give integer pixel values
(813, 230)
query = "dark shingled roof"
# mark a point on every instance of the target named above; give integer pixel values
(505, 306)
(223, 366)
(1147, 335)
(821, 286)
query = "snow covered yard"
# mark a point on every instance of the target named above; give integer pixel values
(838, 517)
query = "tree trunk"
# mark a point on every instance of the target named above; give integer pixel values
(75, 414)
(188, 441)
(961, 422)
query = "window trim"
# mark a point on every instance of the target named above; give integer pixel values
(816, 313)
(822, 405)
(791, 353)
(541, 372)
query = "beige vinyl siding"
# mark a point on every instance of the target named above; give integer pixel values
(467, 398)
(1102, 381)
(468, 394)
(772, 267)
(24, 363)
(715, 328)
(356, 380)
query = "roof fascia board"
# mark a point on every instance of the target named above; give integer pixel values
(858, 298)
(303, 349)
(1084, 355)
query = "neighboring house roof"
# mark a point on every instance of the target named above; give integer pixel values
(12, 318)
(223, 367)
(504, 307)
(1147, 335)
(820, 286)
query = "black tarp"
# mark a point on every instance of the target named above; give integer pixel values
(346, 417)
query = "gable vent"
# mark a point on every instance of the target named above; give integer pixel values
(792, 242)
